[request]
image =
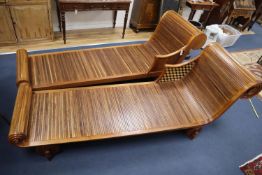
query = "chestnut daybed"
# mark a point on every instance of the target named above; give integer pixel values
(186, 96)
(172, 41)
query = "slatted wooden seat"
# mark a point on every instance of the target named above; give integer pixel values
(186, 96)
(171, 42)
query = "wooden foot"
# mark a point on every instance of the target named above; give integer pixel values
(193, 132)
(48, 151)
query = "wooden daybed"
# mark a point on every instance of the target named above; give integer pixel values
(172, 40)
(186, 96)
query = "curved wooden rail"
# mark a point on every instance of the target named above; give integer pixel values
(116, 64)
(20, 119)
(173, 33)
(160, 61)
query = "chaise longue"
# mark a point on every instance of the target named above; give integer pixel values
(185, 96)
(172, 40)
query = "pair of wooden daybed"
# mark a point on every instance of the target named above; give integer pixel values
(187, 96)
(50, 110)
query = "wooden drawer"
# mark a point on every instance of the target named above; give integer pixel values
(93, 6)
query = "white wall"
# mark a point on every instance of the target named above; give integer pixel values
(91, 19)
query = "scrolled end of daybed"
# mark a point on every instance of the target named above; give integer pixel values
(16, 139)
(251, 92)
(20, 119)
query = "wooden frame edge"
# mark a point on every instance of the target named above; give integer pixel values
(20, 119)
(22, 64)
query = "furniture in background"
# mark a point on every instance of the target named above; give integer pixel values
(257, 15)
(244, 9)
(176, 5)
(112, 64)
(186, 96)
(145, 14)
(85, 5)
(218, 14)
(23, 21)
(205, 5)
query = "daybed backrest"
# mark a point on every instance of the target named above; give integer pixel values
(218, 71)
(214, 68)
(173, 32)
(215, 81)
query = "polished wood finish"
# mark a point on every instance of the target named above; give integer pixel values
(205, 5)
(171, 42)
(243, 9)
(82, 5)
(91, 113)
(145, 14)
(26, 21)
(7, 33)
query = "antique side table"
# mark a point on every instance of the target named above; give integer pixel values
(243, 9)
(85, 5)
(199, 5)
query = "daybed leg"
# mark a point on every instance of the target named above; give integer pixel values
(48, 151)
(193, 132)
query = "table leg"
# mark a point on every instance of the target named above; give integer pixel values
(114, 18)
(58, 15)
(205, 21)
(192, 14)
(63, 26)
(246, 24)
(124, 29)
(229, 19)
(254, 20)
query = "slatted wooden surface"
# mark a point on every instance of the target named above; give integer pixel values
(80, 114)
(90, 65)
(96, 66)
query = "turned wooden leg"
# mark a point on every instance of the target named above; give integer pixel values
(114, 18)
(193, 132)
(125, 21)
(58, 14)
(63, 26)
(246, 24)
(192, 14)
(48, 151)
(205, 21)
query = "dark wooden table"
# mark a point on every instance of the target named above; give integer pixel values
(243, 9)
(256, 15)
(206, 6)
(85, 5)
